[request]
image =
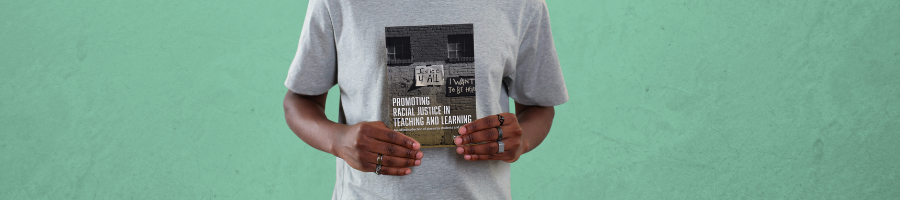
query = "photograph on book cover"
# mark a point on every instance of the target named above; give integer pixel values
(430, 85)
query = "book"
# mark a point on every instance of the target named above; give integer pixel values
(429, 90)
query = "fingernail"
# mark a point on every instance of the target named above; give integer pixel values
(418, 162)
(458, 141)
(416, 146)
(419, 155)
(408, 171)
(459, 150)
(468, 157)
(462, 129)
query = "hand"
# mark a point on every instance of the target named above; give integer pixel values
(361, 144)
(484, 130)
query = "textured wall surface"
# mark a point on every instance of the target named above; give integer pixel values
(669, 100)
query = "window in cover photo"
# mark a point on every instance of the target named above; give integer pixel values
(398, 48)
(460, 46)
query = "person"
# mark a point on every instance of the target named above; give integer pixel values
(343, 42)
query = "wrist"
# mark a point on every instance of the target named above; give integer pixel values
(337, 140)
(526, 144)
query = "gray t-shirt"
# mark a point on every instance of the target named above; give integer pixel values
(343, 42)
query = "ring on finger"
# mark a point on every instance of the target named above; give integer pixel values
(500, 118)
(378, 169)
(378, 162)
(499, 133)
(500, 149)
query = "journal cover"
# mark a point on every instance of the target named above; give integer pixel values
(430, 85)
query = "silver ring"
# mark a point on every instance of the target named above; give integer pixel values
(378, 162)
(501, 146)
(500, 134)
(378, 169)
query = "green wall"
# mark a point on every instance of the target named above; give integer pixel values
(669, 100)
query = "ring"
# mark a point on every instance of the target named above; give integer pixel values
(501, 146)
(500, 134)
(501, 119)
(379, 159)
(378, 169)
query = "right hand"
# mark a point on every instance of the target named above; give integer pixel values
(360, 145)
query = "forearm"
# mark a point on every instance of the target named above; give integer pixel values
(305, 115)
(535, 122)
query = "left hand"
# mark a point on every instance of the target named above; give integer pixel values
(485, 130)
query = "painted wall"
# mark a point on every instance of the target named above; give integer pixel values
(669, 100)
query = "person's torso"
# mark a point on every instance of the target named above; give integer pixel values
(362, 57)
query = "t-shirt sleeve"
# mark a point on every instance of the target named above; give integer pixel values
(538, 78)
(314, 68)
